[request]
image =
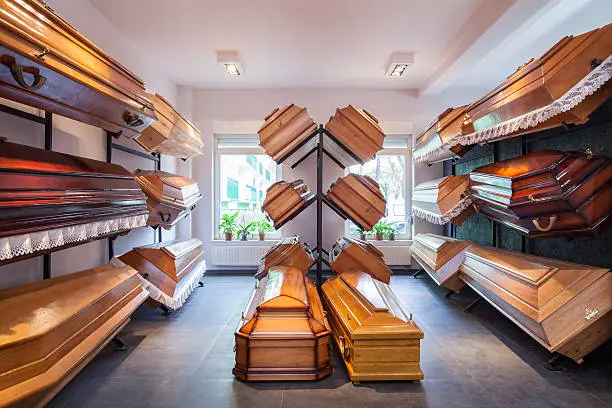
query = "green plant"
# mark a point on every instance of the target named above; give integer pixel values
(245, 229)
(391, 232)
(263, 226)
(228, 223)
(380, 227)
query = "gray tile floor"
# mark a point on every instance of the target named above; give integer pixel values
(476, 359)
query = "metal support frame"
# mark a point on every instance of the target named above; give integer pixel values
(119, 344)
(469, 307)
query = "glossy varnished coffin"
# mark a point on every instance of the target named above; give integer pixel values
(283, 333)
(50, 330)
(360, 198)
(546, 193)
(285, 200)
(430, 146)
(564, 306)
(47, 64)
(443, 200)
(288, 252)
(350, 254)
(376, 336)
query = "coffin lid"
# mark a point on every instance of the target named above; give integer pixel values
(170, 179)
(434, 142)
(158, 98)
(443, 185)
(439, 125)
(435, 242)
(175, 249)
(517, 168)
(272, 116)
(365, 180)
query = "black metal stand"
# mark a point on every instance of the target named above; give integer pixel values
(119, 344)
(201, 284)
(166, 311)
(554, 363)
(417, 273)
(469, 307)
(449, 294)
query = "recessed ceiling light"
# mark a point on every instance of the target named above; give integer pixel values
(398, 65)
(230, 62)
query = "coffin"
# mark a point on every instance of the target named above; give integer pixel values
(561, 87)
(360, 198)
(435, 143)
(169, 271)
(51, 329)
(349, 255)
(47, 64)
(170, 197)
(443, 200)
(546, 193)
(283, 333)
(377, 338)
(50, 201)
(286, 131)
(288, 252)
(285, 200)
(564, 306)
(171, 134)
(440, 257)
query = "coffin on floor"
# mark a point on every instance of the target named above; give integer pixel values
(285, 200)
(50, 330)
(377, 338)
(283, 333)
(435, 143)
(288, 252)
(443, 200)
(360, 198)
(564, 306)
(349, 255)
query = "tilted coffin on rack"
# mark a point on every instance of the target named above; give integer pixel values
(443, 200)
(49, 330)
(170, 271)
(377, 338)
(283, 333)
(564, 306)
(288, 252)
(547, 193)
(170, 197)
(171, 134)
(284, 200)
(440, 257)
(359, 197)
(48, 64)
(50, 201)
(350, 254)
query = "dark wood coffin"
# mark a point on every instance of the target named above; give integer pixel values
(350, 254)
(360, 198)
(283, 333)
(443, 200)
(440, 257)
(284, 200)
(564, 306)
(172, 269)
(48, 64)
(170, 197)
(434, 144)
(171, 134)
(50, 201)
(546, 193)
(376, 336)
(52, 329)
(289, 251)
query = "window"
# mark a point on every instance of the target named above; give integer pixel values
(252, 160)
(253, 197)
(232, 188)
(261, 197)
(260, 169)
(267, 175)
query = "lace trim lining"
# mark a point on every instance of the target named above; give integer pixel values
(442, 219)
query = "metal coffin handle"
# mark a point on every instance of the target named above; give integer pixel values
(552, 220)
(344, 348)
(17, 71)
(132, 120)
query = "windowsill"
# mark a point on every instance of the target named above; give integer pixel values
(397, 242)
(255, 242)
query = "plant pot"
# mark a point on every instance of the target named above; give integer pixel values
(391, 237)
(379, 236)
(229, 236)
(262, 237)
(244, 236)
(362, 237)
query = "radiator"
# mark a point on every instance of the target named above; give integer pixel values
(236, 255)
(397, 255)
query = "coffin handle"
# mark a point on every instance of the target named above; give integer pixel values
(164, 217)
(17, 72)
(552, 220)
(132, 120)
(344, 349)
(370, 115)
(271, 113)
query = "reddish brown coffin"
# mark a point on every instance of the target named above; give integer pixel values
(442, 200)
(285, 200)
(433, 144)
(288, 252)
(47, 64)
(283, 333)
(360, 198)
(356, 255)
(50, 201)
(546, 193)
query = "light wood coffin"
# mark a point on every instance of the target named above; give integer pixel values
(50, 201)
(283, 333)
(360, 198)
(50, 330)
(170, 270)
(47, 64)
(348, 255)
(547, 193)
(286, 133)
(435, 142)
(564, 306)
(377, 338)
(170, 197)
(284, 200)
(288, 252)
(171, 134)
(443, 200)
(440, 257)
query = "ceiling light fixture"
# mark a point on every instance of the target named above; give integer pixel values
(231, 63)
(398, 65)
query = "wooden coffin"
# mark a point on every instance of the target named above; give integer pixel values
(286, 131)
(377, 338)
(564, 306)
(48, 64)
(435, 143)
(288, 252)
(561, 87)
(50, 330)
(171, 134)
(440, 257)
(360, 198)
(350, 254)
(443, 200)
(50, 201)
(170, 270)
(546, 193)
(170, 197)
(283, 333)
(284, 200)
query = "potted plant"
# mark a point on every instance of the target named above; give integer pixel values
(228, 225)
(391, 233)
(380, 229)
(362, 233)
(262, 227)
(243, 230)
